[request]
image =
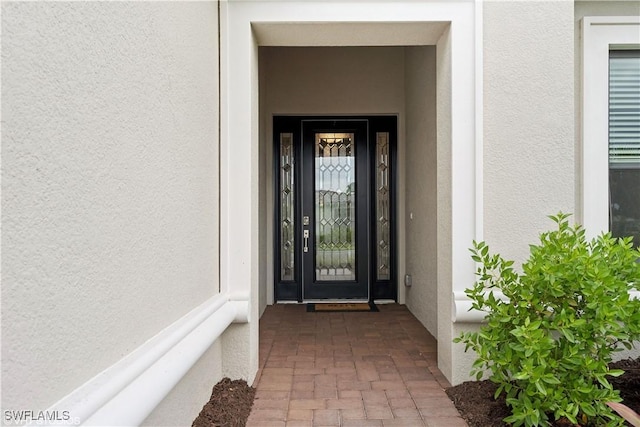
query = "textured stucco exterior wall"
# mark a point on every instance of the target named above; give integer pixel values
(444, 99)
(529, 159)
(109, 187)
(328, 80)
(266, 195)
(421, 185)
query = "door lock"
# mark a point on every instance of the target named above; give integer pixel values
(305, 235)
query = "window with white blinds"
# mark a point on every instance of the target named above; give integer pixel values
(624, 108)
(624, 144)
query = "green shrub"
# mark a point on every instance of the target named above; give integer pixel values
(548, 343)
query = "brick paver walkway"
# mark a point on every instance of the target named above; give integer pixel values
(349, 369)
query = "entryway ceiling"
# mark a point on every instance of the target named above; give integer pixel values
(348, 33)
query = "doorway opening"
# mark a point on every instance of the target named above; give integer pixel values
(335, 197)
(422, 62)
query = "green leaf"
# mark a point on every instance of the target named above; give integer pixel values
(550, 379)
(541, 388)
(615, 372)
(568, 335)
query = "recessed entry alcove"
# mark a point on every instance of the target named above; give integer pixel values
(348, 219)
(337, 202)
(341, 130)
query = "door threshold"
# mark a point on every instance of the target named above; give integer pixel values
(334, 301)
(327, 301)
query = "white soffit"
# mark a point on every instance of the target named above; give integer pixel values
(348, 33)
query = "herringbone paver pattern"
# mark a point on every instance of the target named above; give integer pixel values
(349, 369)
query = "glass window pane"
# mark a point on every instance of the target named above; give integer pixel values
(287, 218)
(382, 206)
(335, 196)
(624, 144)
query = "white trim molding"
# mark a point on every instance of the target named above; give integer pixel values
(479, 123)
(461, 311)
(599, 35)
(112, 398)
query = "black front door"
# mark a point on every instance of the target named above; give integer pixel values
(334, 208)
(334, 215)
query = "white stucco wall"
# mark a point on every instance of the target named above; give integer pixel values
(421, 185)
(444, 98)
(528, 139)
(109, 189)
(327, 80)
(529, 159)
(333, 80)
(584, 8)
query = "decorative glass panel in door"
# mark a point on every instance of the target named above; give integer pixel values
(287, 215)
(335, 195)
(382, 201)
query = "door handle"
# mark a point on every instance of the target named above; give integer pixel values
(305, 235)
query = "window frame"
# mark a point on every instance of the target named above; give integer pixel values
(599, 36)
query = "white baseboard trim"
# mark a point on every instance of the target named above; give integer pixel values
(128, 391)
(461, 311)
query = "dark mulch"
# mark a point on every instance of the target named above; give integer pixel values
(474, 399)
(229, 406)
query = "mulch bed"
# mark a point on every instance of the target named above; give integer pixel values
(229, 406)
(231, 401)
(474, 399)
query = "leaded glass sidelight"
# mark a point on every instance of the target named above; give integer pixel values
(383, 222)
(287, 219)
(335, 196)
